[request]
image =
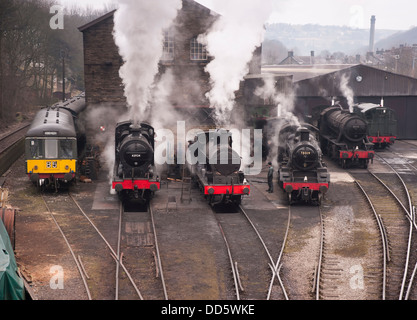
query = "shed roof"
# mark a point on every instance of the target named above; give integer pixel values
(363, 80)
(301, 72)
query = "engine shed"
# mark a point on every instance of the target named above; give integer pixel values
(316, 85)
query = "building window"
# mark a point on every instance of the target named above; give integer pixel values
(168, 51)
(197, 50)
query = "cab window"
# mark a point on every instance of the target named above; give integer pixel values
(51, 149)
(34, 149)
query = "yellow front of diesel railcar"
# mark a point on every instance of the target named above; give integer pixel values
(51, 166)
(51, 158)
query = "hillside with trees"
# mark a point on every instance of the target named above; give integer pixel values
(302, 39)
(32, 53)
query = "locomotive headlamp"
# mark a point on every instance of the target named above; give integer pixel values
(66, 167)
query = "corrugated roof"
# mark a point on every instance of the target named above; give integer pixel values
(364, 80)
(301, 72)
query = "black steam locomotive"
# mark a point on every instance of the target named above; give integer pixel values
(382, 123)
(217, 167)
(344, 137)
(134, 176)
(302, 173)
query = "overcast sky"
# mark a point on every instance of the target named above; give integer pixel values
(396, 15)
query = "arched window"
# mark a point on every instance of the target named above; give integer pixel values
(197, 50)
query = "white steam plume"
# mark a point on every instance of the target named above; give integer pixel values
(347, 91)
(285, 105)
(138, 32)
(106, 116)
(232, 41)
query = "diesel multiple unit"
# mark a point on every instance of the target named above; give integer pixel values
(52, 143)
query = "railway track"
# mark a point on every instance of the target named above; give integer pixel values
(95, 257)
(349, 265)
(11, 138)
(255, 268)
(274, 266)
(350, 252)
(389, 197)
(12, 146)
(138, 250)
(402, 184)
(248, 259)
(196, 265)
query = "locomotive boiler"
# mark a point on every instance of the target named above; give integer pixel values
(134, 176)
(302, 173)
(344, 137)
(217, 167)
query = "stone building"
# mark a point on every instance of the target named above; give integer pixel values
(183, 54)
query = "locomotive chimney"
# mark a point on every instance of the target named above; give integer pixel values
(305, 134)
(372, 35)
(135, 129)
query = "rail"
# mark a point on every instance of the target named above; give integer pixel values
(274, 266)
(384, 240)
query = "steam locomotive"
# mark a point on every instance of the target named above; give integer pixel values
(54, 142)
(302, 174)
(217, 167)
(133, 175)
(382, 123)
(344, 137)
